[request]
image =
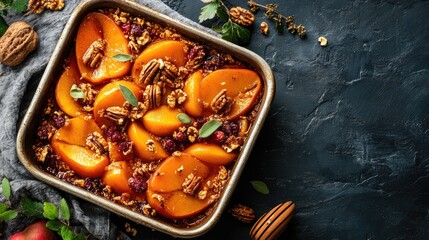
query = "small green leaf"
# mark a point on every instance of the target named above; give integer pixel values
(260, 186)
(3, 207)
(32, 208)
(80, 236)
(129, 95)
(208, 11)
(5, 185)
(66, 233)
(183, 118)
(65, 210)
(8, 215)
(54, 225)
(50, 211)
(122, 57)
(217, 28)
(19, 5)
(235, 33)
(3, 26)
(209, 127)
(76, 92)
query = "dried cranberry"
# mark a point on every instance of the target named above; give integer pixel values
(196, 51)
(124, 146)
(230, 128)
(51, 164)
(110, 130)
(88, 184)
(42, 132)
(200, 122)
(58, 121)
(218, 136)
(126, 28)
(169, 145)
(116, 136)
(212, 63)
(138, 185)
(136, 30)
(180, 137)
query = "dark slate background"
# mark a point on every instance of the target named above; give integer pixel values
(347, 136)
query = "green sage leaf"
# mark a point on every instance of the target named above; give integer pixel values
(54, 225)
(76, 92)
(5, 185)
(50, 211)
(3, 26)
(260, 186)
(19, 5)
(64, 210)
(235, 33)
(209, 127)
(122, 57)
(32, 208)
(222, 13)
(208, 11)
(8, 215)
(80, 236)
(129, 95)
(66, 233)
(183, 118)
(3, 207)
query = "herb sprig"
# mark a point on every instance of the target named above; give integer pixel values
(58, 218)
(229, 30)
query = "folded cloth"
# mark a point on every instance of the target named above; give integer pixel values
(17, 85)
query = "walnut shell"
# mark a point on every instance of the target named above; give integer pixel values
(270, 225)
(17, 42)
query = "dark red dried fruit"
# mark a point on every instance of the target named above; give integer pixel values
(110, 130)
(169, 145)
(138, 185)
(126, 27)
(42, 132)
(136, 30)
(212, 63)
(88, 184)
(218, 136)
(124, 146)
(230, 128)
(196, 51)
(200, 122)
(116, 136)
(180, 137)
(58, 121)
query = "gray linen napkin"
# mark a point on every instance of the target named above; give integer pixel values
(16, 87)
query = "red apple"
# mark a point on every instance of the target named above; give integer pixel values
(35, 231)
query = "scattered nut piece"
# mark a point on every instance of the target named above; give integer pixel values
(130, 229)
(241, 16)
(271, 224)
(323, 41)
(243, 213)
(264, 28)
(18, 41)
(150, 145)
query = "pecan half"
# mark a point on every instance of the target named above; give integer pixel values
(243, 213)
(115, 113)
(96, 142)
(94, 54)
(221, 103)
(170, 72)
(176, 97)
(151, 72)
(241, 16)
(191, 184)
(152, 96)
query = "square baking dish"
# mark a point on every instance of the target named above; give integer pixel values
(26, 134)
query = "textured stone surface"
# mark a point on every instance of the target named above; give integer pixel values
(347, 136)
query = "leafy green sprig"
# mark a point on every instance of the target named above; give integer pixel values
(58, 218)
(14, 5)
(229, 30)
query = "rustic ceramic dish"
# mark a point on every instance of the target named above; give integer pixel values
(26, 134)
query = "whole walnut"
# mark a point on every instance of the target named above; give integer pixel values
(17, 42)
